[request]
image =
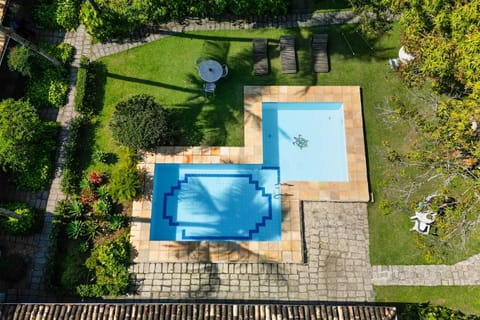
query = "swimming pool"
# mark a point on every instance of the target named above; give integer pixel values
(193, 202)
(306, 140)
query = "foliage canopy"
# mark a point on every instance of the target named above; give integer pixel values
(139, 122)
(444, 38)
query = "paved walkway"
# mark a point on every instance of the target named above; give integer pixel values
(337, 266)
(336, 234)
(151, 34)
(460, 274)
(37, 292)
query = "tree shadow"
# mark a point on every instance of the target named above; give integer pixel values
(149, 82)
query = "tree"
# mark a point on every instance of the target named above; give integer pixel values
(375, 15)
(140, 123)
(20, 126)
(27, 144)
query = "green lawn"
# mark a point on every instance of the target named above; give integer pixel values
(166, 70)
(158, 69)
(465, 299)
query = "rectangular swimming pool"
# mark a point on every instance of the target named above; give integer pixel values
(306, 140)
(194, 202)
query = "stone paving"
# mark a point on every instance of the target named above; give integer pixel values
(460, 274)
(336, 234)
(337, 266)
(154, 33)
(48, 200)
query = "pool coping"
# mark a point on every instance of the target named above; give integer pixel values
(353, 190)
(290, 249)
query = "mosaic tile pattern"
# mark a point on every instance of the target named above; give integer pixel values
(289, 250)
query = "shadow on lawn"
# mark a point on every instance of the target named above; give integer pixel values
(149, 82)
(211, 121)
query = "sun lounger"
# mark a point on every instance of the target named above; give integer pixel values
(288, 55)
(260, 56)
(319, 53)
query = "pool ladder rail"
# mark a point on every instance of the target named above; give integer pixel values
(277, 193)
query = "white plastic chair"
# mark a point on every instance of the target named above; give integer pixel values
(421, 227)
(424, 217)
(198, 61)
(225, 70)
(209, 87)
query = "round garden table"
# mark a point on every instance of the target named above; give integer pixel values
(210, 70)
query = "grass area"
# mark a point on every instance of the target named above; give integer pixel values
(465, 299)
(158, 69)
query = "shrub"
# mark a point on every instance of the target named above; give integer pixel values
(81, 83)
(72, 271)
(44, 14)
(120, 19)
(67, 14)
(100, 156)
(90, 78)
(109, 261)
(13, 267)
(95, 178)
(123, 17)
(27, 144)
(117, 222)
(75, 229)
(426, 311)
(139, 123)
(62, 51)
(48, 89)
(61, 210)
(20, 60)
(37, 173)
(23, 226)
(126, 180)
(76, 146)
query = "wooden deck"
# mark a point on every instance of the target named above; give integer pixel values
(320, 53)
(260, 56)
(288, 54)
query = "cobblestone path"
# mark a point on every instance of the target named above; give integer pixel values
(337, 266)
(460, 274)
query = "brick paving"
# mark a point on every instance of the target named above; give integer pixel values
(336, 234)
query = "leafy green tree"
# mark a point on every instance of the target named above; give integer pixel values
(20, 60)
(19, 129)
(27, 144)
(140, 123)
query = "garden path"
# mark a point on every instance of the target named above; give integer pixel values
(338, 266)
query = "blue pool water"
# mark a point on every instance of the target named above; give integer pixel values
(306, 140)
(193, 202)
(241, 202)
